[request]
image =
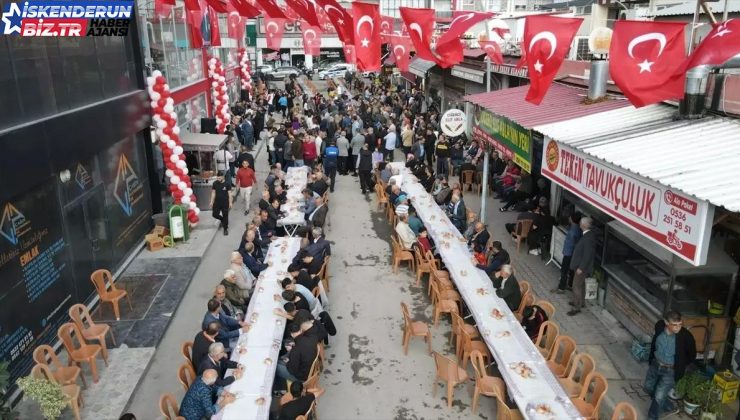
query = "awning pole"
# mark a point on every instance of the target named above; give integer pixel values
(484, 186)
(488, 74)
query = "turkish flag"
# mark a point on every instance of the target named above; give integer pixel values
(349, 54)
(193, 19)
(245, 8)
(274, 28)
(461, 22)
(271, 9)
(642, 60)
(401, 47)
(311, 40)
(386, 28)
(305, 10)
(367, 35)
(522, 59)
(340, 18)
(237, 26)
(219, 6)
(493, 51)
(720, 44)
(213, 23)
(449, 54)
(420, 24)
(162, 8)
(547, 40)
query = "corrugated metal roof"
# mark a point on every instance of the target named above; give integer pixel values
(473, 52)
(733, 6)
(561, 103)
(421, 65)
(698, 157)
(565, 4)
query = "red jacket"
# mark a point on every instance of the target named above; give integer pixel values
(309, 150)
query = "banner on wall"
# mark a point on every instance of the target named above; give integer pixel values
(506, 136)
(675, 221)
(36, 288)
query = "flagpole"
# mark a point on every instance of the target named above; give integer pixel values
(484, 175)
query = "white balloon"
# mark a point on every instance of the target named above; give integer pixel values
(153, 104)
(177, 150)
(217, 102)
(174, 179)
(174, 159)
(180, 163)
(164, 138)
(155, 95)
(181, 186)
(158, 131)
(156, 73)
(176, 130)
(150, 81)
(170, 101)
(188, 191)
(169, 108)
(171, 144)
(161, 124)
(185, 200)
(169, 173)
(173, 116)
(166, 87)
(214, 84)
(193, 205)
(185, 170)
(197, 211)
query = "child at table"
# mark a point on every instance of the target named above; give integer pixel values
(479, 255)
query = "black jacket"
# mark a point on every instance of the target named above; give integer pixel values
(219, 367)
(200, 349)
(584, 253)
(510, 293)
(685, 349)
(365, 161)
(495, 262)
(301, 357)
(480, 239)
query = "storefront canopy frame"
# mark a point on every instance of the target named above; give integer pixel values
(420, 67)
(201, 142)
(647, 142)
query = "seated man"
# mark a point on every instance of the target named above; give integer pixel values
(402, 205)
(395, 193)
(507, 287)
(480, 236)
(310, 198)
(234, 293)
(303, 353)
(458, 213)
(202, 341)
(414, 222)
(218, 361)
(230, 327)
(405, 234)
(307, 261)
(268, 225)
(254, 265)
(318, 185)
(497, 258)
(288, 284)
(301, 402)
(319, 247)
(533, 318)
(198, 401)
(230, 310)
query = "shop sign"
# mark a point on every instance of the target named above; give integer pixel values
(509, 70)
(293, 28)
(468, 74)
(453, 122)
(675, 221)
(506, 136)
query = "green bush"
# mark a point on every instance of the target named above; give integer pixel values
(48, 394)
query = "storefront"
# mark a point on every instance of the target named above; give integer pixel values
(653, 195)
(466, 78)
(507, 75)
(291, 47)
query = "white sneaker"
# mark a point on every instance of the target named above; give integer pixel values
(534, 252)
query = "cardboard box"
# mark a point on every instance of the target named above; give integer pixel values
(155, 245)
(152, 237)
(160, 231)
(729, 384)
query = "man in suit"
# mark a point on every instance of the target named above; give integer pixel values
(582, 262)
(480, 236)
(507, 288)
(218, 361)
(319, 247)
(254, 265)
(230, 327)
(499, 256)
(319, 186)
(318, 217)
(458, 215)
(202, 341)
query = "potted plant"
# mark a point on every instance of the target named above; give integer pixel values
(690, 388)
(46, 393)
(711, 406)
(6, 413)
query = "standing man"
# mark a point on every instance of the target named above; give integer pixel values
(582, 262)
(248, 131)
(223, 157)
(442, 152)
(221, 201)
(672, 350)
(331, 156)
(571, 239)
(358, 140)
(364, 166)
(389, 143)
(343, 146)
(245, 180)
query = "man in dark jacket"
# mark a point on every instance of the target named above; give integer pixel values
(303, 353)
(672, 350)
(218, 361)
(364, 166)
(507, 288)
(499, 256)
(202, 341)
(582, 262)
(480, 236)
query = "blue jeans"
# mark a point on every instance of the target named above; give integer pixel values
(298, 163)
(282, 371)
(658, 383)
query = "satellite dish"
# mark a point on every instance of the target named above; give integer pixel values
(599, 40)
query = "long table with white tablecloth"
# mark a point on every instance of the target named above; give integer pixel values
(296, 179)
(504, 336)
(263, 340)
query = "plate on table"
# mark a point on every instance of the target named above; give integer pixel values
(498, 314)
(522, 369)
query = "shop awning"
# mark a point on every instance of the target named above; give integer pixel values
(202, 142)
(420, 67)
(697, 157)
(561, 103)
(467, 73)
(409, 76)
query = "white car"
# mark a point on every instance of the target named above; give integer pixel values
(336, 70)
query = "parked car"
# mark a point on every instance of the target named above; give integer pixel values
(335, 71)
(265, 69)
(282, 73)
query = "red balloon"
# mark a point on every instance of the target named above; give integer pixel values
(177, 194)
(172, 188)
(158, 88)
(167, 131)
(167, 152)
(177, 201)
(172, 122)
(161, 80)
(162, 102)
(158, 110)
(165, 94)
(188, 183)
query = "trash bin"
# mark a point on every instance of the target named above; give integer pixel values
(202, 189)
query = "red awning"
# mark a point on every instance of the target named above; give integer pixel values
(562, 102)
(411, 77)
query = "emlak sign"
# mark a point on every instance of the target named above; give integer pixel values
(675, 221)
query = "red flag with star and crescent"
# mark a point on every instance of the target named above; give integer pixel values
(547, 40)
(401, 48)
(271, 9)
(642, 60)
(461, 22)
(386, 28)
(246, 8)
(274, 28)
(349, 54)
(493, 51)
(367, 35)
(311, 40)
(720, 44)
(420, 26)
(305, 10)
(340, 18)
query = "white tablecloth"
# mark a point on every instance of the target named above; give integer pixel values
(505, 337)
(296, 180)
(263, 340)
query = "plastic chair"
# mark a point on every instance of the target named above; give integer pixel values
(65, 375)
(324, 273)
(382, 197)
(546, 306)
(521, 232)
(458, 324)
(80, 351)
(186, 375)
(467, 179)
(187, 351)
(527, 300)
(524, 287)
(423, 265)
(444, 292)
(624, 411)
(442, 305)
(401, 254)
(168, 406)
(484, 384)
(575, 375)
(549, 331)
(413, 328)
(442, 278)
(562, 351)
(71, 392)
(449, 372)
(589, 400)
(100, 279)
(469, 345)
(90, 330)
(505, 412)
